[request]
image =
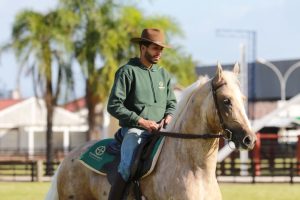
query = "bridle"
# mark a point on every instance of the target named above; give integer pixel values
(226, 133)
(225, 129)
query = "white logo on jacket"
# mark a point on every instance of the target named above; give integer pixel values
(161, 85)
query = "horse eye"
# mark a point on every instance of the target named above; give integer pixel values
(227, 102)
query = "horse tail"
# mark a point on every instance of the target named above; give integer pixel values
(52, 193)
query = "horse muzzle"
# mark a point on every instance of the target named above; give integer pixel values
(249, 142)
(243, 139)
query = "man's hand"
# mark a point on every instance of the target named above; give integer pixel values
(149, 125)
(167, 120)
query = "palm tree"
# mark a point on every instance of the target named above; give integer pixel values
(93, 41)
(39, 42)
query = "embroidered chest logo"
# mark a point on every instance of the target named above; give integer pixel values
(161, 85)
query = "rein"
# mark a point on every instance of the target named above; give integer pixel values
(190, 136)
(227, 134)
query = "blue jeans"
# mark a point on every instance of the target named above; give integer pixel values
(133, 137)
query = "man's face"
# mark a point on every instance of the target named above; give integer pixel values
(152, 53)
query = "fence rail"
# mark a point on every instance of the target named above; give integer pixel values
(24, 170)
(227, 171)
(262, 171)
(18, 169)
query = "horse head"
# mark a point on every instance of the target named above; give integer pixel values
(229, 103)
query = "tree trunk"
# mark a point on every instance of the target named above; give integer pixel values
(50, 109)
(91, 102)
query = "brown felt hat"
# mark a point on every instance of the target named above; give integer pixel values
(153, 35)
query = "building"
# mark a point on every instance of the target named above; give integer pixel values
(23, 128)
(264, 88)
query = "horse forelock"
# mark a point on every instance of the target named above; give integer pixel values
(233, 83)
(231, 79)
(234, 86)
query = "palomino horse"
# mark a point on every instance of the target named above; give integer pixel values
(186, 168)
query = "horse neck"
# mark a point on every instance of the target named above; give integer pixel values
(196, 153)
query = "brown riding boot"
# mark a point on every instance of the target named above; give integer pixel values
(117, 189)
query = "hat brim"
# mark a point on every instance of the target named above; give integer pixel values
(138, 39)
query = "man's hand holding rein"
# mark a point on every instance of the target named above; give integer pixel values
(149, 125)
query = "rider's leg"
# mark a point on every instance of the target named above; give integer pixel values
(118, 188)
(133, 137)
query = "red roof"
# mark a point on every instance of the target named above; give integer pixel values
(75, 105)
(5, 103)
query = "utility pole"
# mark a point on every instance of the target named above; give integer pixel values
(248, 84)
(244, 73)
(250, 36)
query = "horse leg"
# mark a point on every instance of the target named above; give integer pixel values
(72, 182)
(52, 193)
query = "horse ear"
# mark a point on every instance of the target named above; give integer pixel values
(219, 71)
(236, 69)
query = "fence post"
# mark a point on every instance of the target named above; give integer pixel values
(256, 154)
(253, 170)
(291, 172)
(222, 163)
(298, 156)
(39, 167)
(32, 164)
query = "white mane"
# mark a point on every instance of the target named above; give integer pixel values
(185, 97)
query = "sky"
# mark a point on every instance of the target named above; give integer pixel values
(275, 23)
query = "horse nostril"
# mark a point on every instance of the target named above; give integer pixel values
(247, 140)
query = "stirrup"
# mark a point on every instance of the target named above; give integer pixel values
(143, 198)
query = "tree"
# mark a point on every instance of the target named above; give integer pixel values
(39, 41)
(104, 33)
(181, 65)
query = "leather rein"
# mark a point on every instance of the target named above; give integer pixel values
(226, 133)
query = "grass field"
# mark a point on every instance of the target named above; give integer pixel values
(37, 191)
(260, 191)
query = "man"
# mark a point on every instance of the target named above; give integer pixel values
(142, 100)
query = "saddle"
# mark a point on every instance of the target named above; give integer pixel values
(141, 160)
(104, 157)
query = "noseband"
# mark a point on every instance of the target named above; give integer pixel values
(227, 134)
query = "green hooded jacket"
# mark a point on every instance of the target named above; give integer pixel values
(141, 92)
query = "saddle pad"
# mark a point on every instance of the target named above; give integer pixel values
(97, 158)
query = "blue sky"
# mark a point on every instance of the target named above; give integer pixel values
(274, 21)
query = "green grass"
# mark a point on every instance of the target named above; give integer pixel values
(37, 191)
(260, 191)
(23, 190)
